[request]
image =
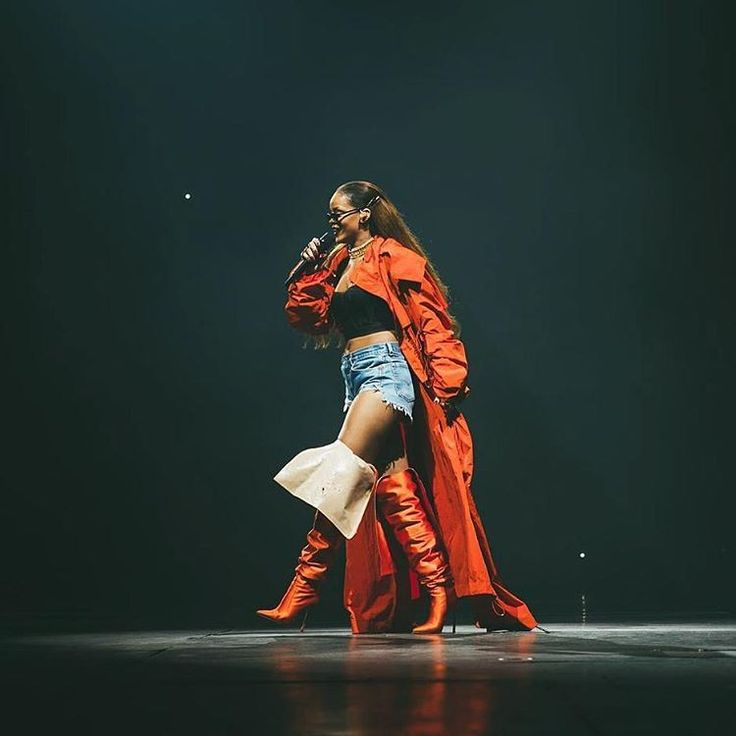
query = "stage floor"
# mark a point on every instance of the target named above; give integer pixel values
(578, 679)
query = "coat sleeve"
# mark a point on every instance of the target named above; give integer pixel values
(444, 354)
(308, 301)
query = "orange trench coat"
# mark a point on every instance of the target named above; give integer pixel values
(378, 585)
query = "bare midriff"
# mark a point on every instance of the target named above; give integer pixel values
(364, 340)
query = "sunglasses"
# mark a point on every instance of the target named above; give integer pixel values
(337, 216)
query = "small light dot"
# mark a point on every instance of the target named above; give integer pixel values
(187, 196)
(582, 554)
(500, 659)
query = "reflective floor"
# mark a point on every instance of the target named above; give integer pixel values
(576, 679)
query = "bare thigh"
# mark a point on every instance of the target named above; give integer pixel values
(371, 430)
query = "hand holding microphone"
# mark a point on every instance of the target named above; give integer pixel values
(315, 249)
(312, 250)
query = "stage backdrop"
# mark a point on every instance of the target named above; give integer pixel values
(568, 167)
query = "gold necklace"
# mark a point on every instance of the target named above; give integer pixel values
(356, 253)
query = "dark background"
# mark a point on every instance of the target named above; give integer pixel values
(568, 166)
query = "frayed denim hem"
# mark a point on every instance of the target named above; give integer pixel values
(394, 405)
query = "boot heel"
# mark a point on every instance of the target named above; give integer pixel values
(452, 606)
(304, 621)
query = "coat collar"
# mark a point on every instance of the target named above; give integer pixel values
(405, 264)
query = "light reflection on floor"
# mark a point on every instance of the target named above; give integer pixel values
(617, 678)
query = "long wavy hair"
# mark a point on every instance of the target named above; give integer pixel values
(386, 221)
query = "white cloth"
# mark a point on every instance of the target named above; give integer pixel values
(334, 480)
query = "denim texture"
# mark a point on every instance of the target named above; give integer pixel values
(380, 367)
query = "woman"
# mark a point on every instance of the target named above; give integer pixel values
(405, 373)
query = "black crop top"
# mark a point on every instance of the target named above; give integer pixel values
(357, 312)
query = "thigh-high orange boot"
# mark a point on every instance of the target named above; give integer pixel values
(323, 541)
(399, 502)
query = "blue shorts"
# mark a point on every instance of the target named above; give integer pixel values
(380, 367)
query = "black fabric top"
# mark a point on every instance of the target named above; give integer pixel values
(357, 312)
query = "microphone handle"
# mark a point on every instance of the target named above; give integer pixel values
(326, 240)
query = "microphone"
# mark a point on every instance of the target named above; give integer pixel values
(326, 241)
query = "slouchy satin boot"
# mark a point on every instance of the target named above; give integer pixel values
(323, 541)
(401, 506)
(338, 483)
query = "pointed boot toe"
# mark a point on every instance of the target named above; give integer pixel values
(299, 595)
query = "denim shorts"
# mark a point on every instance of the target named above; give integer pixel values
(381, 367)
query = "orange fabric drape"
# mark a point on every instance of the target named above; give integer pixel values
(376, 581)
